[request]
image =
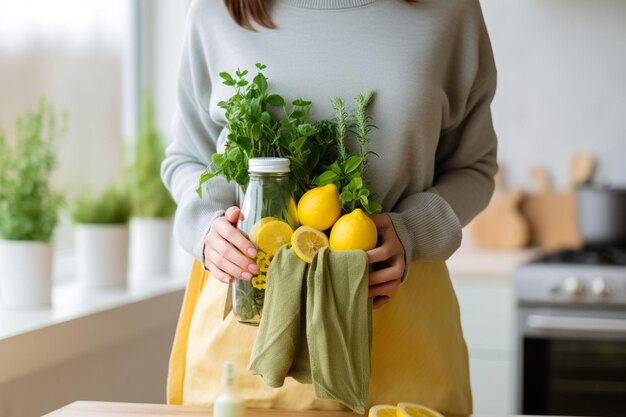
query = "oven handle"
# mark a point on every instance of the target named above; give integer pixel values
(581, 324)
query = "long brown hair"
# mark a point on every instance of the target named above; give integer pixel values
(243, 11)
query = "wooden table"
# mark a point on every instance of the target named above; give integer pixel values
(104, 409)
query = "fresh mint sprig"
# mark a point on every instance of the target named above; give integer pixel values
(252, 132)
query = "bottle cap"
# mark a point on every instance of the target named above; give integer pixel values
(269, 165)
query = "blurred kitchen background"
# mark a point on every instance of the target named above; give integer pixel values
(533, 349)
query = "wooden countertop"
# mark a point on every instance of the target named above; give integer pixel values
(104, 409)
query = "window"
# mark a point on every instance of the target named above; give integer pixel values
(79, 55)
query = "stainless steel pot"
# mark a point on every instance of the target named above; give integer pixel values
(602, 215)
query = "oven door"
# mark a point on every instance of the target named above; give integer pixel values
(572, 362)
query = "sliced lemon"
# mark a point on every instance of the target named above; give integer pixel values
(383, 411)
(272, 235)
(306, 241)
(415, 410)
(254, 230)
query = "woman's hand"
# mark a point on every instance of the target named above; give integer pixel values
(388, 260)
(227, 252)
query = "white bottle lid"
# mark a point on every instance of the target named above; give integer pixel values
(269, 165)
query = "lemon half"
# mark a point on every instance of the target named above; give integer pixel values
(307, 241)
(272, 235)
(415, 410)
(254, 231)
(383, 411)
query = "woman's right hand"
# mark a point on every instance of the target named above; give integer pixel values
(227, 252)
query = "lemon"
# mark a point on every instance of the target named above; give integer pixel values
(292, 209)
(382, 411)
(306, 241)
(415, 410)
(354, 231)
(254, 230)
(320, 207)
(272, 235)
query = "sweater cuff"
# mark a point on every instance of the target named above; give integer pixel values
(192, 223)
(427, 227)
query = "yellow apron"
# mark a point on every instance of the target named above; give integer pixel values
(418, 353)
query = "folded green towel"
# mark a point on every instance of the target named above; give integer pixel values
(317, 325)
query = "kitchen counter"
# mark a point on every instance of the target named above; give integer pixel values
(102, 409)
(471, 263)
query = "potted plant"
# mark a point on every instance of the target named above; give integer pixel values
(102, 237)
(153, 207)
(29, 208)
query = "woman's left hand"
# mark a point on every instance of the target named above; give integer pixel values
(388, 260)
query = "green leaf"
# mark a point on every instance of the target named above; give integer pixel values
(301, 102)
(275, 100)
(260, 66)
(374, 207)
(226, 76)
(307, 129)
(326, 178)
(346, 196)
(261, 82)
(242, 83)
(364, 200)
(356, 183)
(352, 164)
(255, 130)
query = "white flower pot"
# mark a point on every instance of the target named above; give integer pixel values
(102, 255)
(150, 248)
(25, 274)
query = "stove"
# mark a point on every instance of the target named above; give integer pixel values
(592, 276)
(571, 333)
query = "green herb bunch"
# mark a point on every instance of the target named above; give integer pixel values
(29, 205)
(347, 172)
(150, 198)
(253, 133)
(111, 206)
(311, 147)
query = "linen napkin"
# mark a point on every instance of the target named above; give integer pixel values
(317, 325)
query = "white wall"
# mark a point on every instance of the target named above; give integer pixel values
(162, 32)
(562, 84)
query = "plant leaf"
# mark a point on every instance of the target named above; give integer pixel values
(275, 100)
(352, 164)
(326, 178)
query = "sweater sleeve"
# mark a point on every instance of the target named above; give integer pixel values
(429, 223)
(195, 139)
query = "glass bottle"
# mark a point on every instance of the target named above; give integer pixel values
(229, 403)
(268, 213)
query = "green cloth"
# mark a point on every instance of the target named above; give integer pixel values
(317, 325)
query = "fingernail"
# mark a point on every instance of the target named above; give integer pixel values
(246, 275)
(253, 268)
(252, 252)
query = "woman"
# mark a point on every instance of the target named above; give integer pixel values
(431, 66)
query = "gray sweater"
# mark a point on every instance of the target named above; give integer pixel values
(430, 65)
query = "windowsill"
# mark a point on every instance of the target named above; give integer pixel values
(79, 321)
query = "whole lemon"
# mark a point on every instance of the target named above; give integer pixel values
(354, 231)
(320, 207)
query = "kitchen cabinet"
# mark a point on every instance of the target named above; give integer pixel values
(487, 312)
